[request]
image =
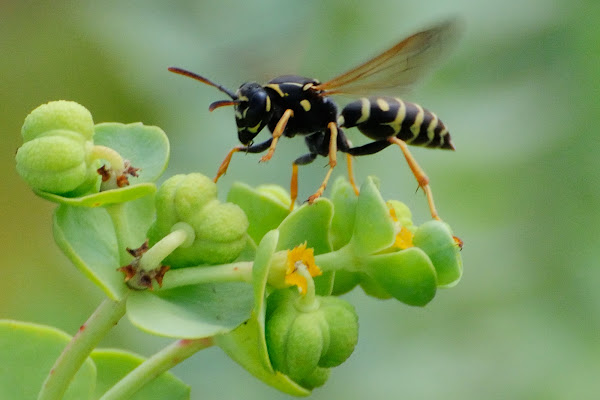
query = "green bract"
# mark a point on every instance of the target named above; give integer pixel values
(220, 229)
(304, 343)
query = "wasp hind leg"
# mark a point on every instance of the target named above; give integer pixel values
(302, 160)
(255, 148)
(418, 172)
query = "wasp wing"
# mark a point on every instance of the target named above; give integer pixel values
(399, 67)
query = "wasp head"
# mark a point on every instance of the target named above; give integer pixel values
(252, 111)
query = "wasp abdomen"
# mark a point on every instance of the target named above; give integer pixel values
(383, 117)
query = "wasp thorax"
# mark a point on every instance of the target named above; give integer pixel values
(252, 112)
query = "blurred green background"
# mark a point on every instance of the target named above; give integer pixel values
(520, 95)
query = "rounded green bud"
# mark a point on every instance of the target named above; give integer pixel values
(304, 342)
(57, 162)
(220, 229)
(56, 154)
(60, 114)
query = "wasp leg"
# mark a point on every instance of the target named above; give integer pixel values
(420, 176)
(333, 134)
(255, 148)
(277, 132)
(344, 145)
(351, 174)
(302, 160)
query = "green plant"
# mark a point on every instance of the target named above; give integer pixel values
(248, 275)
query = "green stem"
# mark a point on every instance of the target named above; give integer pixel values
(74, 355)
(110, 155)
(343, 258)
(307, 302)
(122, 230)
(182, 234)
(154, 366)
(234, 272)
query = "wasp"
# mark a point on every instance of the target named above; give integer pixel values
(293, 105)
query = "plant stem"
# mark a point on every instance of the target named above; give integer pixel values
(79, 348)
(343, 258)
(234, 272)
(308, 301)
(154, 366)
(120, 222)
(110, 155)
(154, 256)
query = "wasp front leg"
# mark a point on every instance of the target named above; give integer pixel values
(277, 132)
(255, 148)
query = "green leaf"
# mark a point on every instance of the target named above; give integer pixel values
(87, 237)
(264, 211)
(407, 275)
(27, 353)
(121, 195)
(113, 365)
(344, 203)
(146, 147)
(310, 223)
(193, 311)
(435, 239)
(373, 226)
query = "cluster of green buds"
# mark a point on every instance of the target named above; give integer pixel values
(257, 280)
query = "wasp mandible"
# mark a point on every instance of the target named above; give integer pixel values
(292, 105)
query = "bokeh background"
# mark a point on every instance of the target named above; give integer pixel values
(520, 95)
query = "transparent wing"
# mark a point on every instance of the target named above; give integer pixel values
(399, 67)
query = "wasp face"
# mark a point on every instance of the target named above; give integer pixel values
(252, 112)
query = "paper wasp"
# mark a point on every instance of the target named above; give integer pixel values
(293, 105)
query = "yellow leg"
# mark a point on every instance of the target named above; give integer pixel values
(351, 174)
(294, 186)
(332, 160)
(225, 164)
(419, 174)
(277, 132)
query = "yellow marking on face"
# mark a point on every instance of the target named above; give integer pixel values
(238, 115)
(276, 88)
(254, 129)
(241, 97)
(365, 110)
(416, 126)
(268, 106)
(305, 104)
(396, 124)
(383, 105)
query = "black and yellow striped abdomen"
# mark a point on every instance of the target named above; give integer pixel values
(382, 117)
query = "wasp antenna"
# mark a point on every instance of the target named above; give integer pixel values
(222, 103)
(202, 79)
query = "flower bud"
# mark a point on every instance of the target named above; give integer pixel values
(60, 114)
(304, 342)
(220, 229)
(56, 154)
